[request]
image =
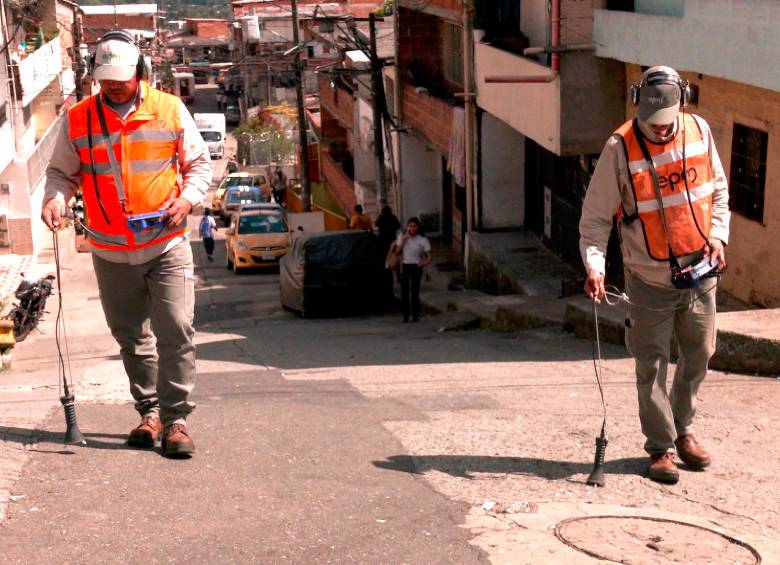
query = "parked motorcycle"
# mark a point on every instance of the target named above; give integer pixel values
(32, 301)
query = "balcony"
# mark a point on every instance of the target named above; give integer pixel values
(39, 69)
(732, 39)
(570, 113)
(429, 115)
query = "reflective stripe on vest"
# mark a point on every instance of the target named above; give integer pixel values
(686, 232)
(145, 147)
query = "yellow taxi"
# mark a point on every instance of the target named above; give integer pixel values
(243, 178)
(257, 236)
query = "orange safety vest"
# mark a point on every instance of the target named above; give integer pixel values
(145, 150)
(686, 231)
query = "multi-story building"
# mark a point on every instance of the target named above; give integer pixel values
(544, 105)
(728, 50)
(41, 59)
(202, 40)
(347, 99)
(263, 33)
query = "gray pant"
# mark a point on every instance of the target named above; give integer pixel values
(689, 315)
(150, 309)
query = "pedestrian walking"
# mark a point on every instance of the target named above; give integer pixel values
(206, 230)
(661, 174)
(279, 185)
(387, 226)
(145, 276)
(232, 165)
(415, 252)
(360, 220)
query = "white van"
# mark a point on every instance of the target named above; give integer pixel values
(212, 129)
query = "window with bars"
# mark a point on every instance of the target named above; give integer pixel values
(748, 171)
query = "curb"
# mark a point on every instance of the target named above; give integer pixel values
(736, 352)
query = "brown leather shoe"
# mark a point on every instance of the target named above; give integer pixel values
(692, 454)
(176, 441)
(146, 433)
(663, 468)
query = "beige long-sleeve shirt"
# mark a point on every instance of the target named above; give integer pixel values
(63, 176)
(610, 187)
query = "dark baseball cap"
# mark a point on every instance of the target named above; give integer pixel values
(659, 96)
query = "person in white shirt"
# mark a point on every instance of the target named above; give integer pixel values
(206, 229)
(415, 252)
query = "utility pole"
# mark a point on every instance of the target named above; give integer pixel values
(377, 89)
(305, 185)
(78, 63)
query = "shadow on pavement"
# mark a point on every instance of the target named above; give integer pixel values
(26, 436)
(463, 466)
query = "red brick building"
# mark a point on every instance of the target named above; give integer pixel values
(206, 27)
(141, 19)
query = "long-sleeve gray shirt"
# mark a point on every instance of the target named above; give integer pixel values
(63, 176)
(610, 187)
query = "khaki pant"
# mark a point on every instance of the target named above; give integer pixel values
(150, 309)
(690, 316)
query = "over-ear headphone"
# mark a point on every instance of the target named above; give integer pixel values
(662, 77)
(118, 35)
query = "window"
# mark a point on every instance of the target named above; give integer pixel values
(748, 171)
(452, 54)
(3, 115)
(27, 113)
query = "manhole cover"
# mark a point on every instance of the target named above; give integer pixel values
(641, 540)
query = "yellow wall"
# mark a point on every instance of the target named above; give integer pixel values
(753, 272)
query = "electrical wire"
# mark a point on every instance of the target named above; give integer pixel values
(596, 344)
(65, 374)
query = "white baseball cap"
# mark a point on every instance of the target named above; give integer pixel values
(115, 60)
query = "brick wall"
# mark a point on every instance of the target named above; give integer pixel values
(207, 27)
(577, 20)
(98, 24)
(337, 102)
(340, 186)
(420, 40)
(429, 115)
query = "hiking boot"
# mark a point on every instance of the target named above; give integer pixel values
(146, 433)
(662, 468)
(692, 454)
(176, 441)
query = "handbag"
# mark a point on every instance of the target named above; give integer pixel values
(393, 260)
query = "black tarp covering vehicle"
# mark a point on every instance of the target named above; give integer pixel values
(335, 274)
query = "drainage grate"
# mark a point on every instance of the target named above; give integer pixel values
(644, 539)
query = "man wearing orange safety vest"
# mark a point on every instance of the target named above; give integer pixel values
(127, 147)
(660, 174)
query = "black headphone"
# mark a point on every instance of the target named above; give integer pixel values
(118, 35)
(663, 77)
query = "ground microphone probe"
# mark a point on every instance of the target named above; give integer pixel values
(67, 398)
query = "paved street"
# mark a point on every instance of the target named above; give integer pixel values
(357, 440)
(362, 440)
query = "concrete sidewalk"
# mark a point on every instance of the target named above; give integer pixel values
(517, 262)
